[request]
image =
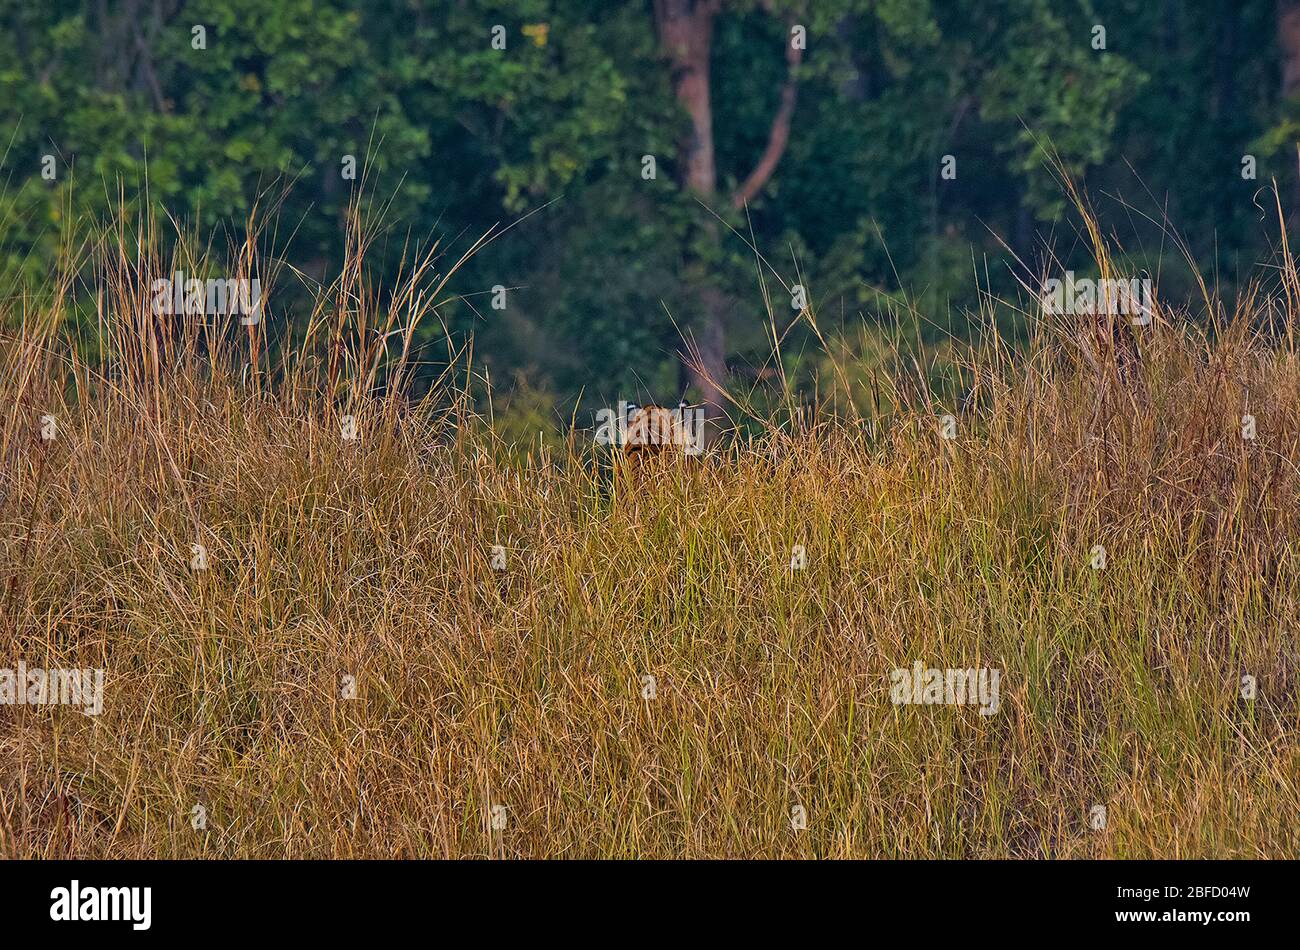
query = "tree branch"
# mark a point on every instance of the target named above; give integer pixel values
(780, 134)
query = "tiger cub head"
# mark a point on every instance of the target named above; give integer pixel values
(656, 430)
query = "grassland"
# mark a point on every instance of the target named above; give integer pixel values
(349, 676)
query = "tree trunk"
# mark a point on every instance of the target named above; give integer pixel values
(1288, 35)
(1288, 32)
(686, 36)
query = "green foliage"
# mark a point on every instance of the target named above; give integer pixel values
(454, 136)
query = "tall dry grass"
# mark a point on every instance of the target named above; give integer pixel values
(525, 688)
